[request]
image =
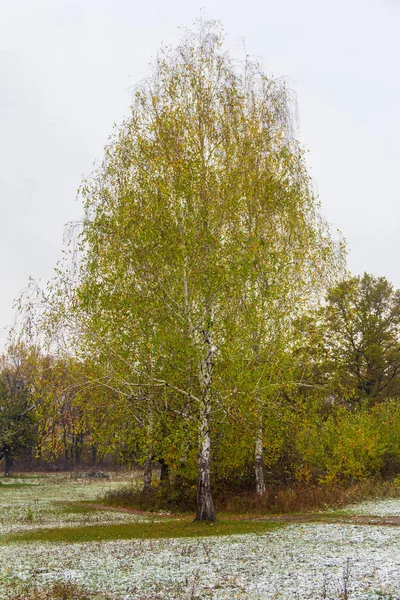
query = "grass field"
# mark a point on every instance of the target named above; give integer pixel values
(56, 542)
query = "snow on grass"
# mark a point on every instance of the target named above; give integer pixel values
(45, 503)
(376, 508)
(300, 561)
(19, 481)
(297, 562)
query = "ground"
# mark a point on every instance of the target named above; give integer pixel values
(353, 553)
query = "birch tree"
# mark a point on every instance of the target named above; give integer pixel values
(200, 231)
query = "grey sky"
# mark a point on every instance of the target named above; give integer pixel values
(66, 68)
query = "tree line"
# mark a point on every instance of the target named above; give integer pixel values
(333, 418)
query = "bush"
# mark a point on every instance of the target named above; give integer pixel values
(178, 496)
(349, 445)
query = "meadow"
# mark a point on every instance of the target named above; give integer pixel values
(59, 541)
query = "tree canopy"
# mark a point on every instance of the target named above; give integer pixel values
(362, 325)
(202, 243)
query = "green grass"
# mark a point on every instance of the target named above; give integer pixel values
(6, 486)
(177, 528)
(19, 476)
(334, 514)
(25, 476)
(75, 508)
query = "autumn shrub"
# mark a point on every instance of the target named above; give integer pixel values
(302, 497)
(349, 444)
(314, 443)
(177, 496)
(315, 456)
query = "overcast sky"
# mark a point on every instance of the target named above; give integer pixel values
(66, 72)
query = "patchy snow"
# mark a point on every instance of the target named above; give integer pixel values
(43, 502)
(296, 562)
(376, 508)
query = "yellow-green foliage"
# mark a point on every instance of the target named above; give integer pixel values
(348, 444)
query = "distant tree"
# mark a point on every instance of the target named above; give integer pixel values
(361, 330)
(18, 426)
(58, 384)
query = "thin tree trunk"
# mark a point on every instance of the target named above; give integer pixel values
(148, 473)
(8, 464)
(259, 462)
(66, 454)
(78, 447)
(148, 463)
(164, 474)
(205, 505)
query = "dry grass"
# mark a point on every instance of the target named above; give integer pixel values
(305, 498)
(58, 591)
(71, 591)
(277, 499)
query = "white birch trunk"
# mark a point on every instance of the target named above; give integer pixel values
(259, 462)
(258, 446)
(205, 505)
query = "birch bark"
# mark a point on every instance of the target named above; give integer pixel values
(205, 505)
(259, 447)
(259, 461)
